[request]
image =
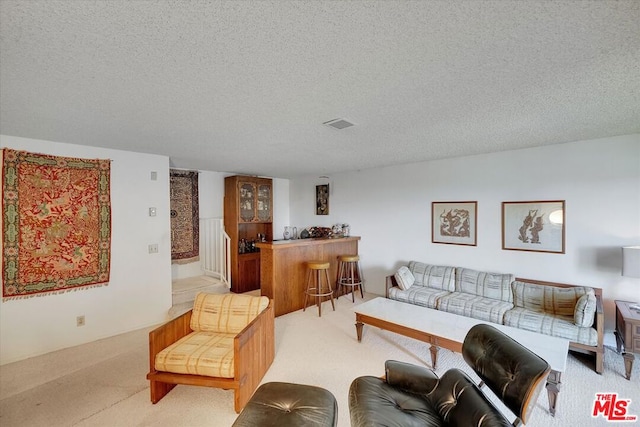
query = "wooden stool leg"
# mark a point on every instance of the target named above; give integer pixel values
(361, 280)
(318, 291)
(306, 292)
(339, 286)
(326, 272)
(353, 281)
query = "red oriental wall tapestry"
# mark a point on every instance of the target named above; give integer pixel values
(56, 230)
(185, 225)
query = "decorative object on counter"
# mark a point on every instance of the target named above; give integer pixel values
(322, 199)
(318, 232)
(346, 230)
(304, 234)
(454, 223)
(287, 233)
(294, 233)
(336, 230)
(536, 226)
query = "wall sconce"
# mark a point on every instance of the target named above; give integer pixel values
(631, 266)
(631, 261)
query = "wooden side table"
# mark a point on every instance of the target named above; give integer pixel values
(627, 333)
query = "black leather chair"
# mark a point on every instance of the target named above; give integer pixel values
(412, 395)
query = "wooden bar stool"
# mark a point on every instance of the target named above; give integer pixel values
(315, 287)
(349, 275)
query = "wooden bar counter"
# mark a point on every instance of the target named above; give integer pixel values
(283, 272)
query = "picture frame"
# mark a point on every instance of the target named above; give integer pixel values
(454, 223)
(534, 226)
(322, 199)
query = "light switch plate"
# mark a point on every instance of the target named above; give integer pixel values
(152, 211)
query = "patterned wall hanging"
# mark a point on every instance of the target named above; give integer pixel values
(185, 217)
(56, 233)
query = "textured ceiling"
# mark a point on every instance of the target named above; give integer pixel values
(245, 86)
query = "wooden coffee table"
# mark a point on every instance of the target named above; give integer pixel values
(446, 330)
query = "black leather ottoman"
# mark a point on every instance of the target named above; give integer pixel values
(286, 404)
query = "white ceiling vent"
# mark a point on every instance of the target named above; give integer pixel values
(338, 124)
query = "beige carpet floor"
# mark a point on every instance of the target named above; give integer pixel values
(103, 383)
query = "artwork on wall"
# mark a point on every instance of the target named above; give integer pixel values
(56, 234)
(454, 223)
(322, 199)
(185, 216)
(537, 226)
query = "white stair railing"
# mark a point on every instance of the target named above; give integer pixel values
(215, 248)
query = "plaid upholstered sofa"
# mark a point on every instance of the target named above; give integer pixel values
(557, 309)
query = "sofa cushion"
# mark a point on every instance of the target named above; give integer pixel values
(549, 299)
(404, 278)
(488, 285)
(418, 295)
(585, 310)
(545, 323)
(199, 353)
(433, 276)
(487, 309)
(225, 313)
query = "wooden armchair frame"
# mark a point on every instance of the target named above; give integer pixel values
(253, 347)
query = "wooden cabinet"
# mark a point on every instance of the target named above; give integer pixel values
(248, 212)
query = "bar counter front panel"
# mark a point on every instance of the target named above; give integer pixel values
(283, 269)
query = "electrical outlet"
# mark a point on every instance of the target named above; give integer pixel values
(80, 320)
(153, 249)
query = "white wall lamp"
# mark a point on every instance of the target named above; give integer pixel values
(631, 265)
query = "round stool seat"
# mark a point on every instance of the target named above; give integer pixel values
(349, 275)
(318, 272)
(318, 265)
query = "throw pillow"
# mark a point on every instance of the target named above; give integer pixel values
(585, 310)
(404, 278)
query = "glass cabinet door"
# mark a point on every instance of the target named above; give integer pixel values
(264, 203)
(247, 201)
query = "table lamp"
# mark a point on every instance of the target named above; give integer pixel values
(631, 266)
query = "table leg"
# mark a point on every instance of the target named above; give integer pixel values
(359, 326)
(618, 341)
(628, 364)
(434, 355)
(553, 388)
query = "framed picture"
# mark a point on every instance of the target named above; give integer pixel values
(454, 223)
(322, 199)
(533, 226)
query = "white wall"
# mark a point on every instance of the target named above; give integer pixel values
(391, 209)
(139, 292)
